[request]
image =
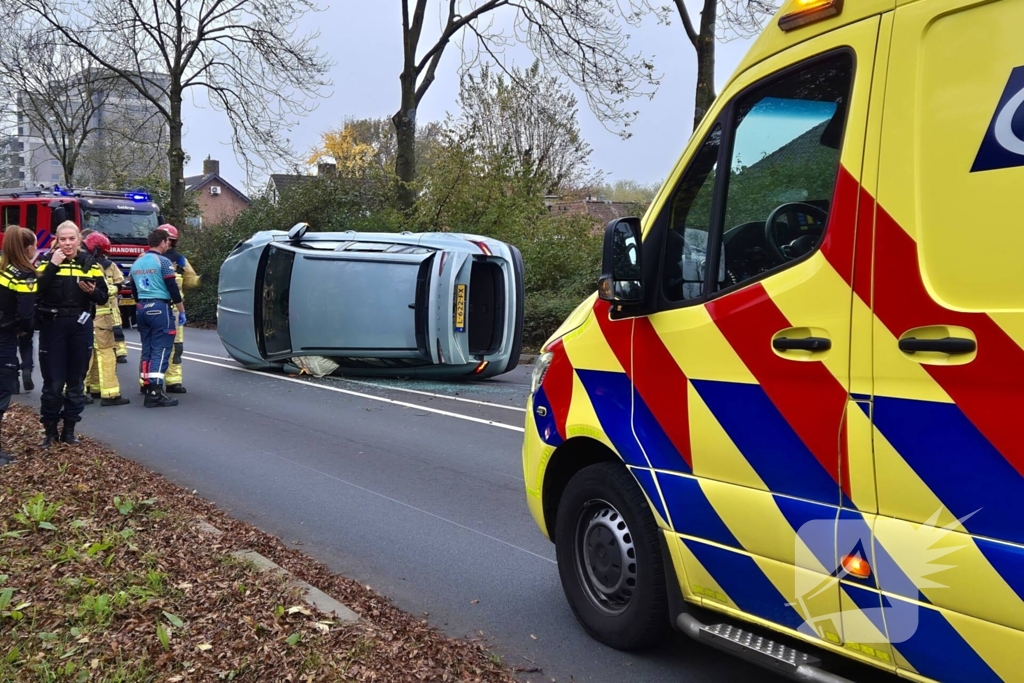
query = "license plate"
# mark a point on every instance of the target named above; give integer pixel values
(127, 302)
(460, 308)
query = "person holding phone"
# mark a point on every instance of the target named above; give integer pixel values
(70, 286)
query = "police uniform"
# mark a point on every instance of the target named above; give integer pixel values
(186, 278)
(102, 378)
(17, 309)
(65, 320)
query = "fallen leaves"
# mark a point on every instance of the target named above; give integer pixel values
(135, 585)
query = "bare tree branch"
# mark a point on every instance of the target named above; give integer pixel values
(245, 54)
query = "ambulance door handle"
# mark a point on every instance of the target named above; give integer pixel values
(954, 346)
(802, 344)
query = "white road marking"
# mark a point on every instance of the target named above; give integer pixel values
(371, 397)
(432, 395)
(420, 510)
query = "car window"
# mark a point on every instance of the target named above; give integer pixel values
(275, 323)
(782, 168)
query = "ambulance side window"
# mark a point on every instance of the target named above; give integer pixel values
(689, 212)
(785, 148)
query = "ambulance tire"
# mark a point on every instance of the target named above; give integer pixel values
(624, 608)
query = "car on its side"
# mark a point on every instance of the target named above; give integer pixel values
(427, 305)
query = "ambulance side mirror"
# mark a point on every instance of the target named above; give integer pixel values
(621, 270)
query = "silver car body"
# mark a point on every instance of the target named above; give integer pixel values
(437, 305)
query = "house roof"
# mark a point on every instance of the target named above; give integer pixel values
(284, 181)
(196, 182)
(602, 211)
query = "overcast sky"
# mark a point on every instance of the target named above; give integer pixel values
(363, 39)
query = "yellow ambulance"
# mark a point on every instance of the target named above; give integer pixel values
(797, 399)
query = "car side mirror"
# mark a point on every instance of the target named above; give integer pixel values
(621, 280)
(297, 232)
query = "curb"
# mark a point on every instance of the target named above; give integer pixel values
(312, 595)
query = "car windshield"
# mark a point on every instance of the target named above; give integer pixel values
(120, 223)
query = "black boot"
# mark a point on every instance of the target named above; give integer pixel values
(175, 389)
(156, 398)
(115, 401)
(89, 400)
(68, 434)
(122, 359)
(50, 426)
(26, 379)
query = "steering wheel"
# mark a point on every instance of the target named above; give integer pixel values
(789, 207)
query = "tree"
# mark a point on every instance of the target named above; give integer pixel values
(530, 117)
(723, 20)
(582, 39)
(59, 91)
(342, 146)
(245, 55)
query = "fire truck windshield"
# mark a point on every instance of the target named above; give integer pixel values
(120, 223)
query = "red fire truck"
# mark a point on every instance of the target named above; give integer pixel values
(125, 217)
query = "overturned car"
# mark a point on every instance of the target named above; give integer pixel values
(429, 305)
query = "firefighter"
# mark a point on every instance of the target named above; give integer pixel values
(186, 278)
(155, 290)
(101, 381)
(17, 310)
(70, 286)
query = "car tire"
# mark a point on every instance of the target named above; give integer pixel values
(609, 558)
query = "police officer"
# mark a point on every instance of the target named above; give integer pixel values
(186, 278)
(101, 381)
(17, 309)
(71, 284)
(155, 289)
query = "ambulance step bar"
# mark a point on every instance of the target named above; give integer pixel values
(781, 659)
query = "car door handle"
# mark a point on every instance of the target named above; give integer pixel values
(801, 343)
(954, 346)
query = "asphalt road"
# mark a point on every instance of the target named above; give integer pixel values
(417, 495)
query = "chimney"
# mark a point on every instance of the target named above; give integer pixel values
(211, 166)
(326, 168)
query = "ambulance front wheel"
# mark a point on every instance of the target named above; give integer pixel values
(609, 558)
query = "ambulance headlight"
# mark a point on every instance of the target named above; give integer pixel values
(540, 369)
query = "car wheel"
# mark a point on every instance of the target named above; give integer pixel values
(609, 558)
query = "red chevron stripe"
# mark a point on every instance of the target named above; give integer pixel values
(990, 389)
(618, 334)
(663, 386)
(655, 374)
(807, 395)
(558, 386)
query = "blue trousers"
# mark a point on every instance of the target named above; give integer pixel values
(157, 329)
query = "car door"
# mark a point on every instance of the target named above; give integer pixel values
(948, 332)
(741, 373)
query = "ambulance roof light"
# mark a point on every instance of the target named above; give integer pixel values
(808, 12)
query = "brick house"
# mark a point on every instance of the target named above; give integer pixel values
(218, 200)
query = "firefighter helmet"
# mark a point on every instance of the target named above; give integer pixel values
(97, 243)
